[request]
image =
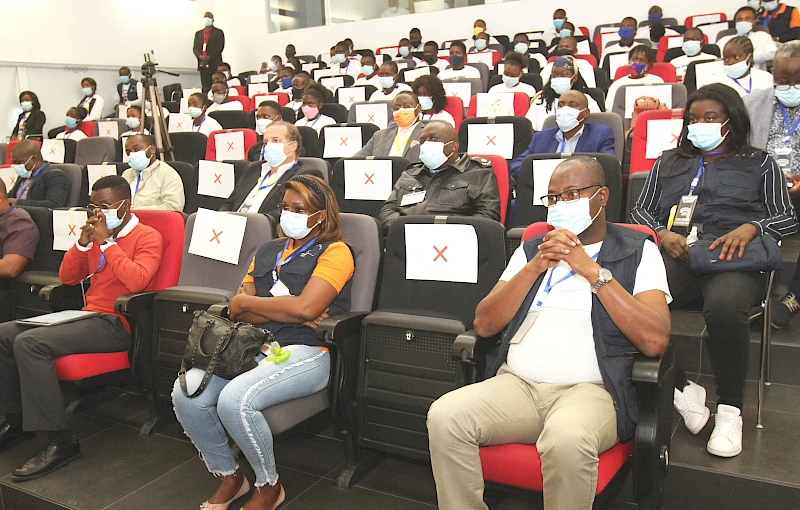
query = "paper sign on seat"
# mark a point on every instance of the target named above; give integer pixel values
(342, 142)
(542, 171)
(257, 88)
(494, 104)
(462, 90)
(215, 179)
(373, 114)
(180, 123)
(367, 179)
(662, 135)
(217, 235)
(67, 227)
(53, 150)
(230, 146)
(108, 128)
(709, 72)
(122, 111)
(442, 253)
(349, 95)
(332, 83)
(97, 171)
(9, 176)
(413, 74)
(481, 58)
(497, 139)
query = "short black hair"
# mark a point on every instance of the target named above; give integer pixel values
(342, 45)
(3, 190)
(431, 43)
(148, 139)
(120, 187)
(224, 64)
(91, 81)
(745, 8)
(202, 97)
(513, 58)
(135, 107)
(738, 119)
(648, 52)
(125, 68)
(560, 11)
(80, 112)
(392, 65)
(459, 44)
(414, 30)
(271, 104)
(630, 18)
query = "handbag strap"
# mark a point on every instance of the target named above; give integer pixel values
(210, 369)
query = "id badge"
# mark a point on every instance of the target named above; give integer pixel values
(526, 326)
(783, 157)
(412, 198)
(279, 289)
(683, 217)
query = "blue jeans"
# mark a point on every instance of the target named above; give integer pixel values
(235, 406)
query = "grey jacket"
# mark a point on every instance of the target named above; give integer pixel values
(381, 142)
(759, 104)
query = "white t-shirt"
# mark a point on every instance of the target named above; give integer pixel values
(351, 68)
(682, 62)
(207, 125)
(394, 11)
(371, 81)
(467, 72)
(763, 47)
(585, 69)
(381, 95)
(647, 79)
(538, 112)
(225, 107)
(318, 123)
(520, 87)
(756, 80)
(559, 348)
(442, 115)
(75, 135)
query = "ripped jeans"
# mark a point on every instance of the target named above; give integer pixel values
(235, 406)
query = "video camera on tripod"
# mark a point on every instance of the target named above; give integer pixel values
(160, 131)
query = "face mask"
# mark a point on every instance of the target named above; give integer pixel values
(286, 83)
(295, 224)
(510, 81)
(426, 103)
(297, 94)
(736, 70)
(386, 82)
(112, 217)
(432, 154)
(626, 33)
(274, 155)
(456, 60)
(26, 106)
(22, 171)
(706, 135)
(290, 54)
(338, 58)
(71, 122)
(404, 51)
(770, 6)
(124, 80)
(138, 160)
(219, 98)
(574, 216)
(691, 48)
(637, 68)
(132, 122)
(405, 117)
(480, 44)
(560, 85)
(790, 98)
(654, 18)
(521, 47)
(310, 112)
(208, 22)
(754, 4)
(476, 30)
(87, 91)
(194, 111)
(367, 70)
(743, 27)
(567, 118)
(262, 125)
(565, 32)
(430, 59)
(273, 66)
(558, 23)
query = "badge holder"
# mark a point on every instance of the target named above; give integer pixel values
(783, 157)
(683, 215)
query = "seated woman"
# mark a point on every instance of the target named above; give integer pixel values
(75, 116)
(307, 289)
(134, 123)
(402, 137)
(31, 121)
(738, 71)
(513, 68)
(220, 101)
(198, 105)
(432, 98)
(564, 77)
(313, 100)
(640, 61)
(740, 194)
(91, 102)
(267, 113)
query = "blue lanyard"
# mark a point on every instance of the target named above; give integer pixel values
(27, 182)
(100, 266)
(261, 185)
(279, 263)
(742, 86)
(700, 171)
(549, 286)
(138, 181)
(767, 19)
(199, 125)
(789, 129)
(563, 143)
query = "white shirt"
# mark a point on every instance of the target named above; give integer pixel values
(351, 68)
(538, 112)
(559, 348)
(763, 47)
(122, 233)
(139, 95)
(756, 80)
(75, 135)
(442, 64)
(467, 72)
(225, 107)
(519, 87)
(647, 79)
(682, 62)
(568, 146)
(234, 82)
(231, 92)
(207, 126)
(97, 109)
(381, 94)
(617, 47)
(401, 140)
(318, 123)
(371, 81)
(442, 115)
(260, 191)
(394, 11)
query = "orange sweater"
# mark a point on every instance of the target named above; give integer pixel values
(129, 267)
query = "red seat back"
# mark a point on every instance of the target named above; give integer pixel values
(521, 104)
(250, 139)
(588, 58)
(639, 161)
(584, 31)
(242, 99)
(170, 225)
(12, 143)
(496, 57)
(388, 50)
(663, 45)
(87, 126)
(666, 71)
(282, 98)
(239, 89)
(500, 168)
(455, 107)
(690, 21)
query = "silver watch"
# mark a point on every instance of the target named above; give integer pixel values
(605, 277)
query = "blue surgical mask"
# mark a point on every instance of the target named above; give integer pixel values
(654, 18)
(404, 51)
(139, 160)
(367, 70)
(124, 80)
(194, 111)
(295, 225)
(87, 91)
(565, 32)
(338, 58)
(510, 81)
(574, 216)
(22, 171)
(112, 217)
(26, 106)
(769, 6)
(71, 122)
(432, 154)
(262, 125)
(274, 155)
(132, 122)
(626, 33)
(754, 4)
(558, 23)
(426, 103)
(737, 70)
(706, 136)
(456, 60)
(691, 48)
(790, 98)
(567, 118)
(638, 68)
(480, 44)
(560, 85)
(286, 83)
(386, 82)
(521, 47)
(743, 27)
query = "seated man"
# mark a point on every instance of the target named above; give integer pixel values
(341, 64)
(783, 20)
(457, 69)
(19, 238)
(401, 138)
(573, 134)
(763, 45)
(443, 183)
(554, 379)
(627, 34)
(129, 90)
(260, 189)
(40, 184)
(218, 76)
(120, 256)
(154, 184)
(221, 102)
(225, 69)
(513, 68)
(430, 55)
(369, 71)
(285, 76)
(693, 41)
(388, 86)
(266, 113)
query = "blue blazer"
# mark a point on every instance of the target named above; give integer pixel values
(595, 138)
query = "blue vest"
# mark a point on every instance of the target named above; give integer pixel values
(295, 274)
(621, 252)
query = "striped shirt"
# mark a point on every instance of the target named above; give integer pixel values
(777, 217)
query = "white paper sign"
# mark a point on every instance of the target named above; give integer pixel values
(497, 139)
(705, 18)
(367, 179)
(332, 83)
(180, 123)
(662, 135)
(376, 114)
(461, 90)
(542, 171)
(184, 105)
(106, 128)
(401, 65)
(261, 78)
(486, 57)
(310, 66)
(9, 176)
(97, 171)
(495, 104)
(189, 92)
(215, 179)
(413, 74)
(584, 48)
(67, 227)
(341, 142)
(675, 41)
(217, 235)
(53, 150)
(615, 61)
(230, 146)
(442, 253)
(712, 31)
(349, 95)
(608, 37)
(257, 88)
(709, 72)
(122, 111)
(661, 92)
(321, 73)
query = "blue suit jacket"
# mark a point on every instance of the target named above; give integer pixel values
(595, 138)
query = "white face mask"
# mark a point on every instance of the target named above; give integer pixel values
(574, 216)
(567, 118)
(295, 225)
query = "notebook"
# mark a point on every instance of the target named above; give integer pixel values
(57, 318)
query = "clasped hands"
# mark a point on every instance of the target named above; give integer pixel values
(563, 245)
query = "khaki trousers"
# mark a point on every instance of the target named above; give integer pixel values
(571, 424)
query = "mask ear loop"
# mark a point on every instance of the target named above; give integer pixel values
(601, 207)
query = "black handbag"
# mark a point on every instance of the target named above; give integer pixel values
(220, 347)
(761, 254)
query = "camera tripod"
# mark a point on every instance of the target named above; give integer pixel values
(164, 148)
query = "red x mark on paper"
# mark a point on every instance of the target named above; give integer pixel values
(371, 118)
(180, 124)
(216, 236)
(440, 253)
(13, 180)
(108, 132)
(490, 140)
(352, 99)
(369, 178)
(454, 94)
(71, 230)
(217, 178)
(343, 141)
(675, 137)
(230, 146)
(52, 150)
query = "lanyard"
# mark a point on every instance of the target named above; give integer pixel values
(768, 18)
(100, 266)
(138, 181)
(24, 185)
(789, 129)
(199, 125)
(563, 143)
(549, 286)
(279, 263)
(315, 121)
(400, 146)
(700, 171)
(742, 86)
(263, 186)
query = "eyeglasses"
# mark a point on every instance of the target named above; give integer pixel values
(567, 196)
(784, 88)
(297, 210)
(105, 207)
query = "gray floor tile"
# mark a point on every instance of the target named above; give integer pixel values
(413, 480)
(308, 453)
(326, 496)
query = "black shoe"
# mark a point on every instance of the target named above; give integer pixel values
(50, 459)
(784, 311)
(10, 436)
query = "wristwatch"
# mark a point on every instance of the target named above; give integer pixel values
(605, 277)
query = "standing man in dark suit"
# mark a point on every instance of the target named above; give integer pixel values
(40, 184)
(261, 187)
(208, 46)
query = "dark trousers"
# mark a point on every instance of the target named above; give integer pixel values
(205, 78)
(727, 300)
(28, 380)
(794, 285)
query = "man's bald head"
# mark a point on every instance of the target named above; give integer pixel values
(568, 43)
(579, 172)
(24, 150)
(574, 98)
(443, 131)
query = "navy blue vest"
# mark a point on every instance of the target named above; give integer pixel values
(621, 252)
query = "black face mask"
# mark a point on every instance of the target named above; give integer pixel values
(290, 54)
(430, 59)
(297, 93)
(456, 60)
(562, 52)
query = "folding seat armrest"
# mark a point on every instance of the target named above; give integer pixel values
(131, 304)
(647, 370)
(219, 309)
(336, 329)
(62, 297)
(469, 348)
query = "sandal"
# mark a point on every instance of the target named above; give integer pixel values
(244, 489)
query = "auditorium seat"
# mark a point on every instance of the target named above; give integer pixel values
(173, 92)
(94, 151)
(521, 104)
(73, 173)
(312, 147)
(88, 127)
(190, 177)
(532, 79)
(713, 17)
(335, 142)
(344, 197)
(610, 119)
(189, 147)
(476, 86)
(246, 105)
(230, 119)
(335, 111)
(319, 164)
(122, 127)
(249, 138)
(665, 70)
(41, 271)
(455, 107)
(282, 98)
(679, 98)
(500, 169)
(360, 111)
(522, 131)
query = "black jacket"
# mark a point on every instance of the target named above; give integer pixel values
(131, 86)
(251, 176)
(33, 126)
(467, 187)
(216, 43)
(49, 188)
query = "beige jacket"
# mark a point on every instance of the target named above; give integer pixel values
(160, 188)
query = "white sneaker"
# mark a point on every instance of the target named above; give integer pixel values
(691, 403)
(726, 440)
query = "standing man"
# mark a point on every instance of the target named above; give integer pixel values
(208, 46)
